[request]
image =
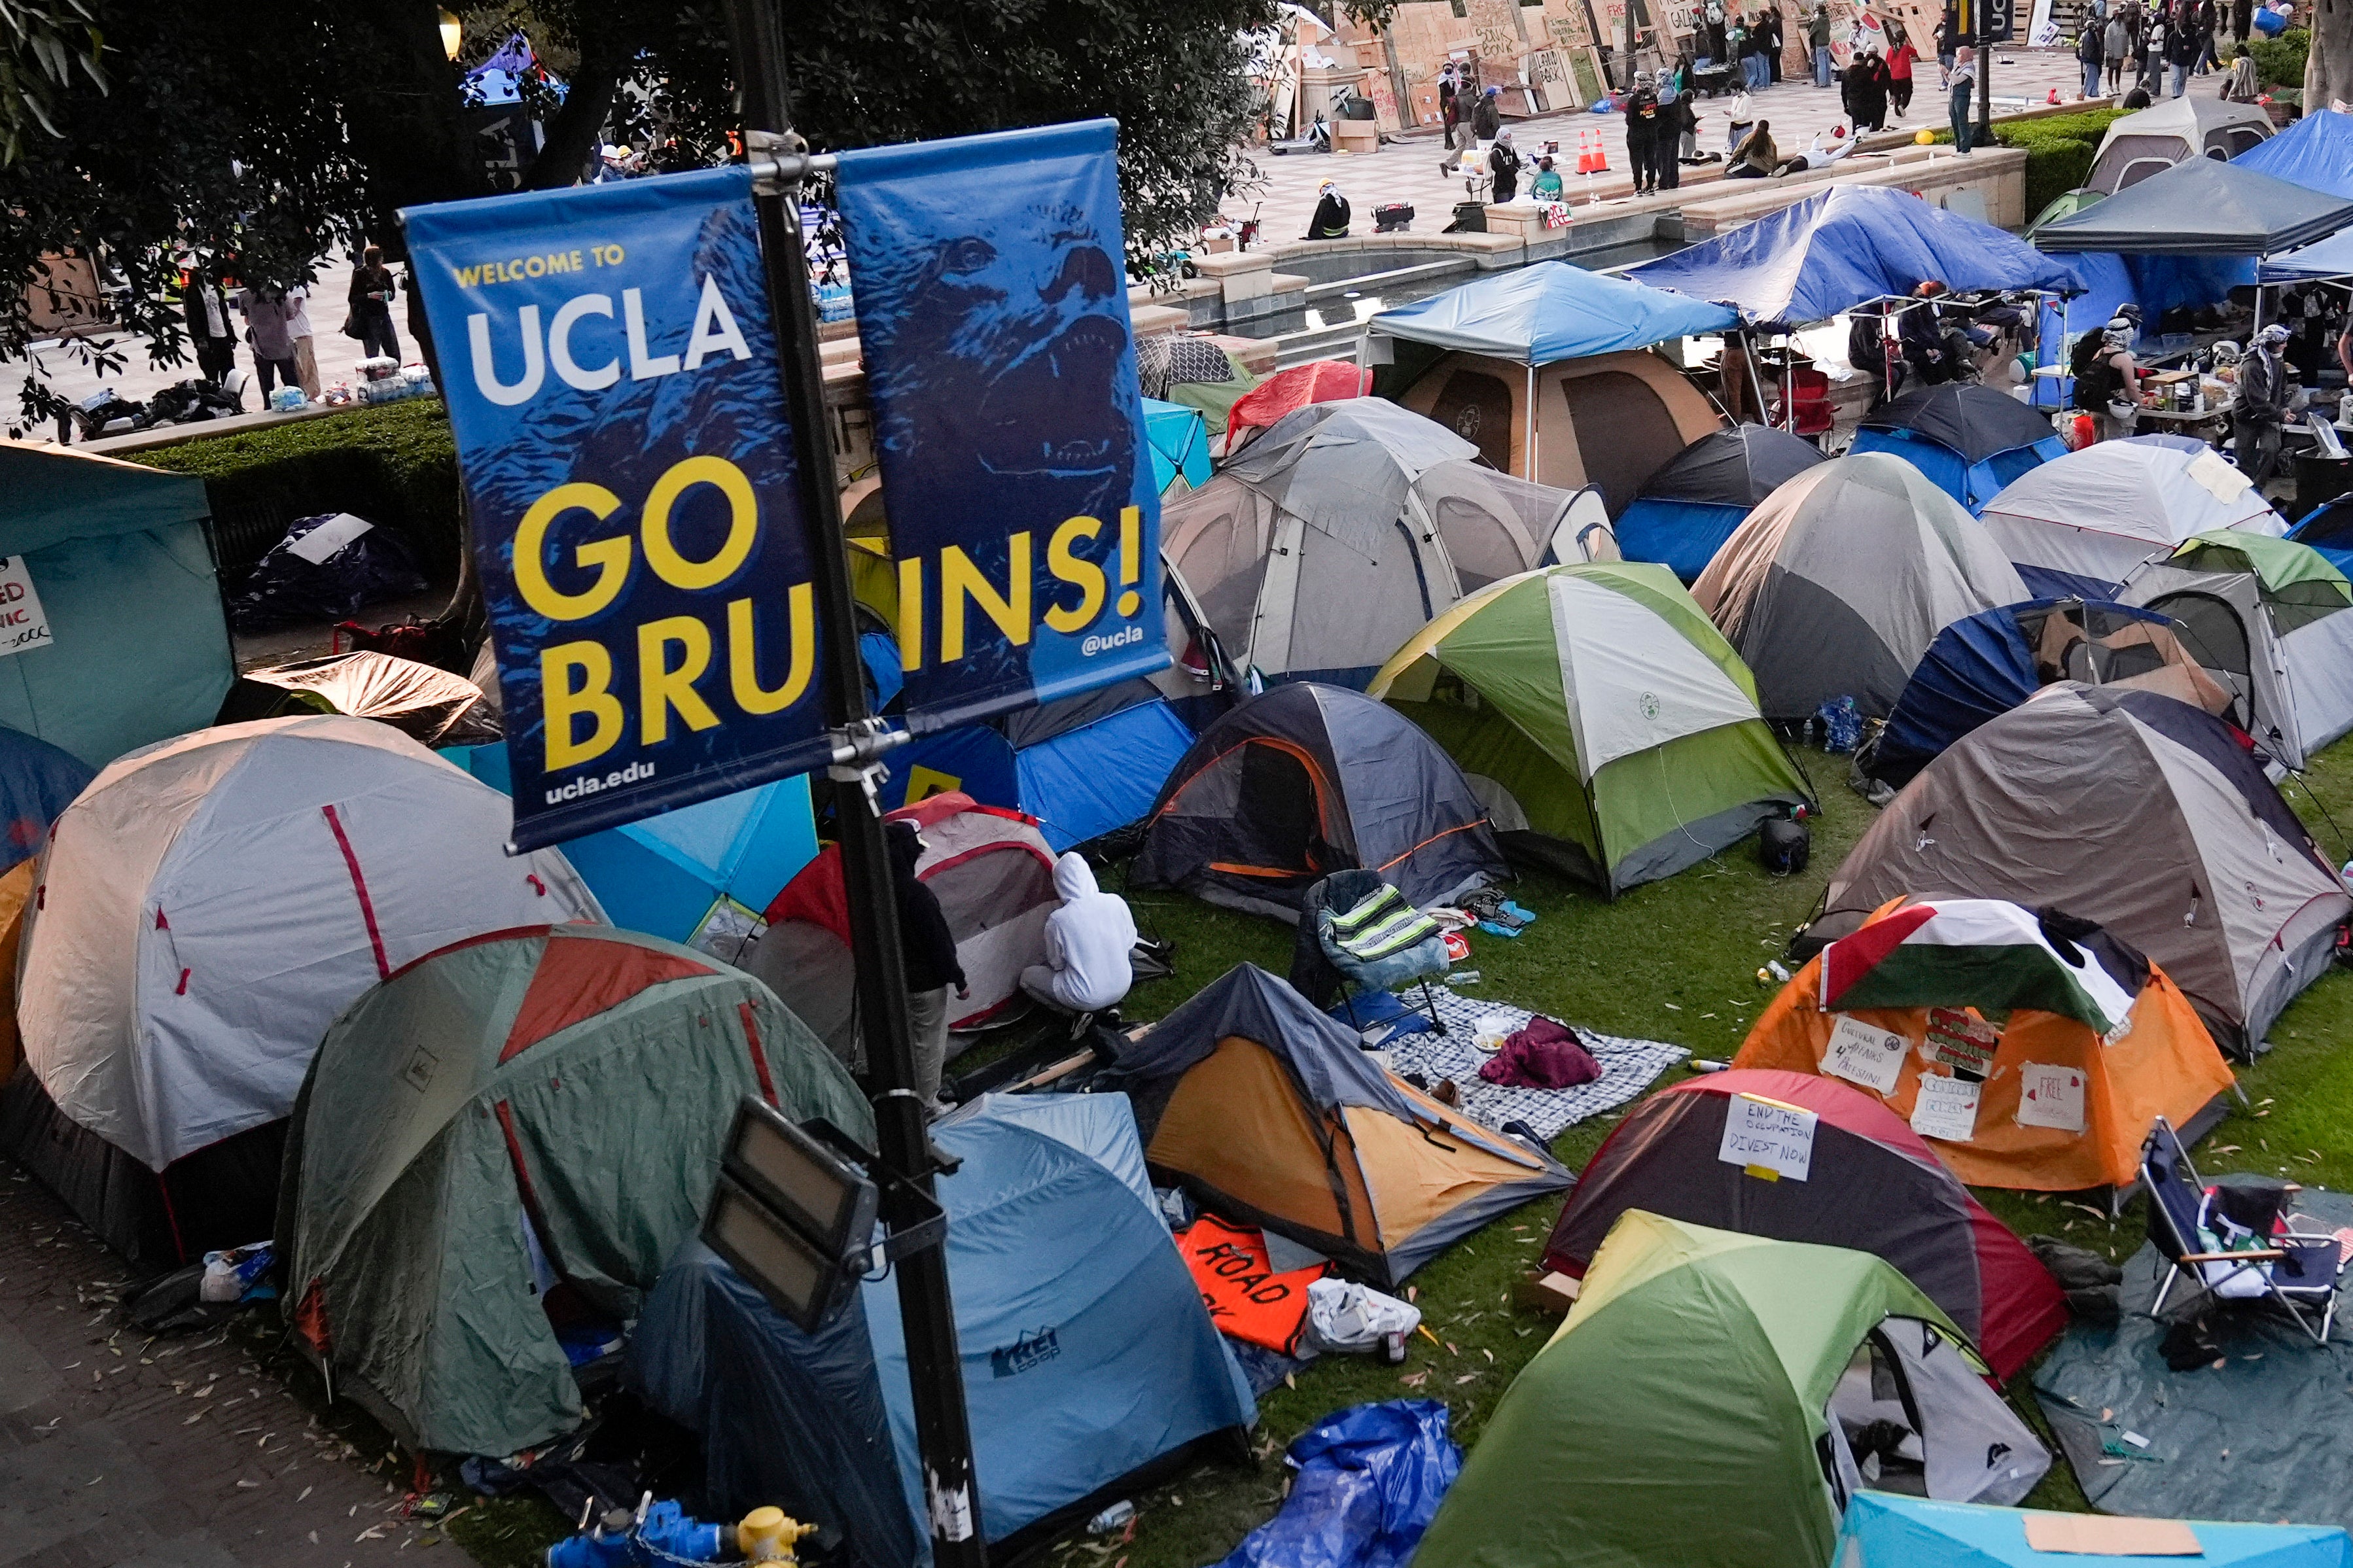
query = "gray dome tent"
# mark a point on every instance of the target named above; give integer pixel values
(2127, 808)
(1840, 580)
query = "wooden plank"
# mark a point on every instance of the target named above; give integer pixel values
(2099, 1535)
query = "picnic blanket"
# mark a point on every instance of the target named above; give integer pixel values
(1627, 1068)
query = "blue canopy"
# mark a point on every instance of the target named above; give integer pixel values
(1549, 312)
(1845, 246)
(1882, 1530)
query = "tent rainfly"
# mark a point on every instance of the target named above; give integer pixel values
(1884, 1531)
(2201, 207)
(1551, 311)
(2080, 523)
(1971, 440)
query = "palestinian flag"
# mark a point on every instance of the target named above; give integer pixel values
(1982, 952)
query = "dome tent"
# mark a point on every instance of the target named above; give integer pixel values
(1982, 666)
(2166, 133)
(2093, 1042)
(1970, 440)
(1309, 779)
(1688, 509)
(1871, 1184)
(206, 907)
(37, 782)
(2079, 524)
(1092, 1370)
(1344, 526)
(1704, 1402)
(1606, 725)
(556, 1093)
(1841, 579)
(2131, 809)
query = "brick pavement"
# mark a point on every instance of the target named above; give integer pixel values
(119, 1451)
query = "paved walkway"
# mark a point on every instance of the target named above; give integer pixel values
(1407, 171)
(119, 1451)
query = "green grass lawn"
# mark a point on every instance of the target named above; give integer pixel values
(1676, 961)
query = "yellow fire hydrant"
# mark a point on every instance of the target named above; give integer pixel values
(768, 1535)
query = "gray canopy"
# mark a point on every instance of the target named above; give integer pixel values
(2127, 808)
(2200, 207)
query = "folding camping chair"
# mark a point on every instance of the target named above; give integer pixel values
(1804, 409)
(1365, 936)
(2187, 1218)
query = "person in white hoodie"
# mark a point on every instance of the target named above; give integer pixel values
(1088, 944)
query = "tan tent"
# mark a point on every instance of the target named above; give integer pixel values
(1269, 1112)
(1611, 421)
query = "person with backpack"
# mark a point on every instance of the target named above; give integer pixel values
(2087, 52)
(1642, 133)
(2107, 383)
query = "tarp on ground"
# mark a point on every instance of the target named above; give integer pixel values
(1845, 246)
(1552, 310)
(1884, 1531)
(2201, 207)
(2262, 1435)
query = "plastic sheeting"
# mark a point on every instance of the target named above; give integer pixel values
(1370, 1480)
(1849, 244)
(2261, 1436)
(287, 586)
(1550, 311)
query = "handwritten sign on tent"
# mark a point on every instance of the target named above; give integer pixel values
(1946, 1108)
(1766, 1138)
(1864, 1054)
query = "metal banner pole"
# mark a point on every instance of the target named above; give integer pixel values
(935, 1367)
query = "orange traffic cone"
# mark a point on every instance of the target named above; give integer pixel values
(1591, 157)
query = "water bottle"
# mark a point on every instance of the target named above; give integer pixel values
(1111, 1519)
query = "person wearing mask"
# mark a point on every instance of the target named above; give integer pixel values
(1642, 129)
(2115, 44)
(1900, 61)
(1756, 157)
(2262, 406)
(1089, 941)
(1818, 41)
(2088, 52)
(2107, 384)
(1331, 219)
(211, 331)
(1677, 127)
(1487, 115)
(1503, 167)
(371, 293)
(1964, 82)
(932, 964)
(268, 321)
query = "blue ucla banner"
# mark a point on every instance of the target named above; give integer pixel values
(992, 318)
(610, 367)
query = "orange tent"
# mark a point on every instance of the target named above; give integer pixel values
(2076, 1042)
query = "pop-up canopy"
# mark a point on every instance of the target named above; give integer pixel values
(1549, 312)
(2201, 207)
(1849, 244)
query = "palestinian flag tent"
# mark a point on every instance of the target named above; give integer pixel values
(1841, 579)
(514, 1132)
(1883, 1531)
(2128, 808)
(2095, 1044)
(1870, 1183)
(1718, 1399)
(1271, 1113)
(1606, 725)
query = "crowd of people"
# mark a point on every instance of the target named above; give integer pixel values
(220, 311)
(2126, 35)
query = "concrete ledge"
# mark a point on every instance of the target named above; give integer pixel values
(164, 436)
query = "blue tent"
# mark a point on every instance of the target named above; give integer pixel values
(1081, 766)
(37, 781)
(1688, 509)
(1978, 668)
(1179, 443)
(1969, 440)
(1091, 1367)
(1885, 1531)
(1848, 246)
(2328, 528)
(1549, 312)
(717, 863)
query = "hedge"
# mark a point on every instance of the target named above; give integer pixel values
(395, 465)
(2058, 153)
(2279, 62)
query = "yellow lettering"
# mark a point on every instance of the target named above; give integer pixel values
(744, 659)
(911, 614)
(743, 522)
(960, 579)
(564, 701)
(609, 556)
(662, 685)
(1084, 574)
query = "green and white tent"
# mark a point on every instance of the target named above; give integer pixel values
(1715, 1399)
(1606, 724)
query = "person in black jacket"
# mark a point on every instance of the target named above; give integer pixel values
(931, 955)
(1642, 133)
(1503, 163)
(1331, 219)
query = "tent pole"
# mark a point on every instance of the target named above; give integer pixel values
(1531, 474)
(1756, 382)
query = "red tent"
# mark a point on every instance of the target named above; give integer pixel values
(1868, 1182)
(1319, 380)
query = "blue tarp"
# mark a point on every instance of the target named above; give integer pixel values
(1849, 244)
(666, 874)
(1179, 443)
(1885, 1531)
(2316, 153)
(1088, 1355)
(1370, 1480)
(1550, 311)
(37, 781)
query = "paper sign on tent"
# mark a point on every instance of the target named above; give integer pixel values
(1947, 1107)
(1864, 1054)
(23, 622)
(1960, 1040)
(2050, 1097)
(1766, 1138)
